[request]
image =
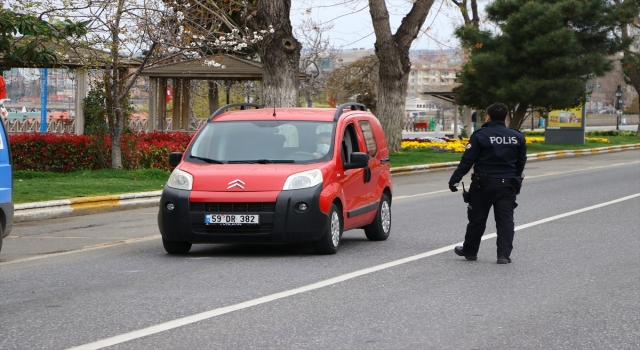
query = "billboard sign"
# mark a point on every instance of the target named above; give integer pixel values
(569, 118)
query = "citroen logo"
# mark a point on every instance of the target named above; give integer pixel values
(236, 183)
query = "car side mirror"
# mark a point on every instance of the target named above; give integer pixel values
(358, 160)
(174, 159)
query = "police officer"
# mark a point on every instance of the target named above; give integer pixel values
(498, 155)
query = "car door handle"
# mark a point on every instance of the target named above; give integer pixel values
(385, 160)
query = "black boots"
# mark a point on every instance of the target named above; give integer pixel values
(459, 251)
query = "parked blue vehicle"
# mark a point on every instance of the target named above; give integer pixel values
(6, 185)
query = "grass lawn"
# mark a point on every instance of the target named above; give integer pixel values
(32, 186)
(427, 156)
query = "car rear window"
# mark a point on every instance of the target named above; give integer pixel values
(260, 140)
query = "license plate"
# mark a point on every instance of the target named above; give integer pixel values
(231, 219)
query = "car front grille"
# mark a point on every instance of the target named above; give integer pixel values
(227, 208)
(266, 211)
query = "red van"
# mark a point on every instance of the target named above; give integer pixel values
(259, 175)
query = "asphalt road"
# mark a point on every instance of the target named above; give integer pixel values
(574, 282)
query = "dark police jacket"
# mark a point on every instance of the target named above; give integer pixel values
(494, 150)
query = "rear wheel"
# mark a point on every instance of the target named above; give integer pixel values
(330, 241)
(380, 228)
(176, 247)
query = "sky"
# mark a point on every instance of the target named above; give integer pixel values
(352, 21)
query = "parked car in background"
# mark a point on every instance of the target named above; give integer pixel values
(6, 185)
(279, 176)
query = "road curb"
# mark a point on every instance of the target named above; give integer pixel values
(37, 211)
(101, 204)
(532, 157)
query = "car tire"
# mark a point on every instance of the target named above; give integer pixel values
(330, 241)
(176, 247)
(380, 228)
(1, 238)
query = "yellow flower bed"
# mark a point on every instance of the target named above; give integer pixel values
(458, 146)
(532, 139)
(597, 139)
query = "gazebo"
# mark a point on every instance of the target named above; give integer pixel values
(450, 96)
(182, 73)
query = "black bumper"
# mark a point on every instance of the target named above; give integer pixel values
(280, 222)
(7, 210)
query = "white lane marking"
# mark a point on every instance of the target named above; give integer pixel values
(118, 339)
(96, 247)
(419, 194)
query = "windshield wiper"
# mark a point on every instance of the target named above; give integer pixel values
(262, 161)
(208, 160)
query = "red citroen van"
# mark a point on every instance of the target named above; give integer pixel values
(261, 175)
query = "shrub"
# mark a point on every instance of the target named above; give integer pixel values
(66, 153)
(49, 152)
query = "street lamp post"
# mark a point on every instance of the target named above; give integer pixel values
(618, 106)
(72, 75)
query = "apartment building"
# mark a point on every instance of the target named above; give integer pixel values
(423, 78)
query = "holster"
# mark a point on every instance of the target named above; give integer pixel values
(478, 180)
(465, 194)
(517, 183)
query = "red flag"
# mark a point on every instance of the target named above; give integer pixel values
(169, 93)
(3, 89)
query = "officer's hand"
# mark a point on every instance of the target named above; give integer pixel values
(453, 187)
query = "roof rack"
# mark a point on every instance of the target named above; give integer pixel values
(242, 106)
(351, 105)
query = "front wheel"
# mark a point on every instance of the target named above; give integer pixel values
(176, 247)
(380, 228)
(330, 241)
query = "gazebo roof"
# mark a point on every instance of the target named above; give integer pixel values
(449, 96)
(235, 69)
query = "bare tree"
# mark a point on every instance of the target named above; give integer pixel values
(392, 51)
(470, 17)
(316, 50)
(357, 81)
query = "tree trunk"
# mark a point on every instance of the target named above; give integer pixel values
(309, 98)
(214, 102)
(280, 55)
(517, 118)
(392, 51)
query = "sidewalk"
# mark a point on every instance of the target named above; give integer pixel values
(91, 205)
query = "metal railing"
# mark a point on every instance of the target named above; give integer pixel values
(61, 126)
(57, 126)
(592, 120)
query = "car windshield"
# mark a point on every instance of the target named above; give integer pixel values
(263, 142)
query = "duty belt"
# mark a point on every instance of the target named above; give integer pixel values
(490, 181)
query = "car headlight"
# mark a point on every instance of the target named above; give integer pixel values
(304, 179)
(181, 180)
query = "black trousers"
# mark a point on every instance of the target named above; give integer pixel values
(502, 196)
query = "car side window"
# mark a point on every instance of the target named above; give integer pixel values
(369, 138)
(349, 143)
